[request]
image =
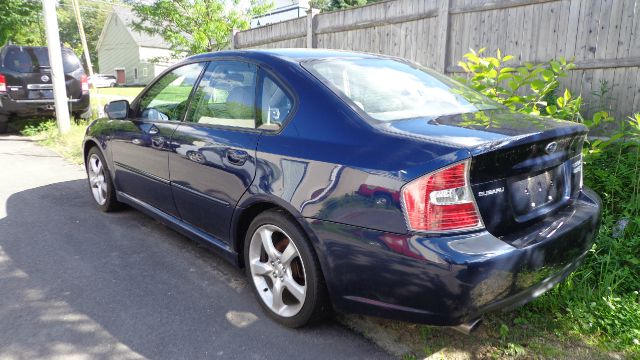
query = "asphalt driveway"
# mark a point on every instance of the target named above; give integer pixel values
(79, 284)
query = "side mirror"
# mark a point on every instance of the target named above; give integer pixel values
(117, 110)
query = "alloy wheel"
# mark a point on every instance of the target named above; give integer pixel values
(97, 179)
(277, 270)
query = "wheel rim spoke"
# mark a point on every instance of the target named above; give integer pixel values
(288, 254)
(260, 268)
(297, 290)
(94, 165)
(267, 243)
(277, 303)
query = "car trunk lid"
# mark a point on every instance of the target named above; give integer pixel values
(522, 167)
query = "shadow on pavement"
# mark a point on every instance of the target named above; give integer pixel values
(77, 282)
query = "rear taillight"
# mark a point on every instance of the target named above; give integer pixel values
(3, 83)
(441, 201)
(85, 83)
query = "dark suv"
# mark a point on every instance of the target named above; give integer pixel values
(26, 88)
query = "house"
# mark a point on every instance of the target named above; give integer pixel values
(134, 57)
(282, 10)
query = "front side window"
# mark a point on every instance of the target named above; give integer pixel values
(275, 104)
(390, 90)
(226, 95)
(168, 97)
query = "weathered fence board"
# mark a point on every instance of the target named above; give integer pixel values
(602, 36)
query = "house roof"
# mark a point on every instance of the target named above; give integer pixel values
(140, 38)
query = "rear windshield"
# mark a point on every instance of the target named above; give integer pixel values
(390, 90)
(34, 60)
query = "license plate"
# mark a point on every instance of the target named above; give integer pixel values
(40, 94)
(533, 192)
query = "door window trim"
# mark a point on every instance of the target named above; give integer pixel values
(260, 68)
(136, 102)
(284, 87)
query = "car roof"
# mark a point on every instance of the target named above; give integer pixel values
(291, 54)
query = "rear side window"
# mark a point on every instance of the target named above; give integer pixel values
(226, 95)
(35, 60)
(275, 104)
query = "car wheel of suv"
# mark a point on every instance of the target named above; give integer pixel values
(4, 124)
(283, 270)
(100, 183)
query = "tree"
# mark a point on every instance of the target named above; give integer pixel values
(195, 26)
(330, 5)
(21, 22)
(93, 16)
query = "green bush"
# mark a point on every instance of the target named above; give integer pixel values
(600, 298)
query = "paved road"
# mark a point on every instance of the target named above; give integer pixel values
(79, 284)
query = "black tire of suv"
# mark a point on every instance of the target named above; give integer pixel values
(4, 124)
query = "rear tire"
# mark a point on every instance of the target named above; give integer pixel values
(100, 183)
(283, 270)
(4, 124)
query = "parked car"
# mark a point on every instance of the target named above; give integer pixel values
(264, 155)
(102, 80)
(26, 88)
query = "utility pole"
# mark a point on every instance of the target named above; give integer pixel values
(83, 38)
(55, 60)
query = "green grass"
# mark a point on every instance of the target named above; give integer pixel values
(46, 133)
(128, 92)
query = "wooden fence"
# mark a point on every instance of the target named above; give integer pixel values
(602, 36)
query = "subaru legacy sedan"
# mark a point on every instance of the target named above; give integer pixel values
(349, 181)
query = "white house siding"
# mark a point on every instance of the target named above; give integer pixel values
(282, 10)
(118, 50)
(155, 60)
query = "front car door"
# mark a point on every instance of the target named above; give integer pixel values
(214, 157)
(140, 144)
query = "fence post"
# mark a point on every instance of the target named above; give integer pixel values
(232, 41)
(443, 34)
(311, 13)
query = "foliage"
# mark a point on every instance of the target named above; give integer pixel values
(46, 133)
(93, 17)
(528, 88)
(330, 5)
(195, 26)
(601, 297)
(21, 22)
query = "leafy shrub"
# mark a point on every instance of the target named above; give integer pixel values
(530, 89)
(601, 297)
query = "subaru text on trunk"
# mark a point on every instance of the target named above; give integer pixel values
(351, 181)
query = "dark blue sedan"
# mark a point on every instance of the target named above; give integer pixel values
(351, 181)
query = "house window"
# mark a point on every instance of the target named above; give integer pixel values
(135, 73)
(144, 72)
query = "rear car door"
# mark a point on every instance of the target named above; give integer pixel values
(214, 157)
(140, 144)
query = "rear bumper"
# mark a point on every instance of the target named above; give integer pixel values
(453, 279)
(21, 108)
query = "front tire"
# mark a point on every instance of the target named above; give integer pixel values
(283, 270)
(100, 183)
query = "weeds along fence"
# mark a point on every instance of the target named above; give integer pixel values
(602, 36)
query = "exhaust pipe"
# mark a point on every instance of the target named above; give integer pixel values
(468, 327)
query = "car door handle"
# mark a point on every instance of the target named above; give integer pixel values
(237, 157)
